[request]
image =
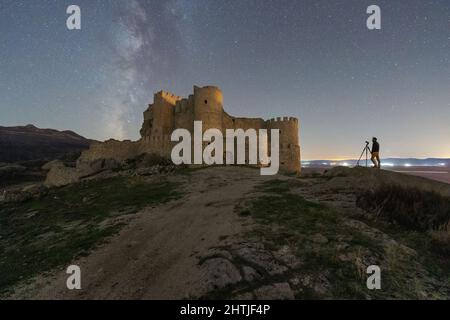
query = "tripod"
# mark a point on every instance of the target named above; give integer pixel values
(366, 150)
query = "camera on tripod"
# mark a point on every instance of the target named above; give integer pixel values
(365, 151)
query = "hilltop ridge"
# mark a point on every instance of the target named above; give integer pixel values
(24, 143)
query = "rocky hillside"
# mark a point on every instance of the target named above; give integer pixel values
(25, 143)
(227, 232)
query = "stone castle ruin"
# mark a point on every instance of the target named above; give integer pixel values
(169, 112)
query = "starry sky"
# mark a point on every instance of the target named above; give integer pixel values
(313, 59)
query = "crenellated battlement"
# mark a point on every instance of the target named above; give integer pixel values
(283, 120)
(168, 96)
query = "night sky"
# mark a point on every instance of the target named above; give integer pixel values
(313, 59)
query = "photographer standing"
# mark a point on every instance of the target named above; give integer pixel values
(375, 153)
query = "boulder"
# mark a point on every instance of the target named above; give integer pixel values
(250, 274)
(286, 255)
(218, 273)
(51, 164)
(59, 176)
(276, 291)
(258, 256)
(88, 168)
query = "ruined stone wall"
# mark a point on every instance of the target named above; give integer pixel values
(111, 149)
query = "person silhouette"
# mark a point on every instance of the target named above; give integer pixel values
(375, 153)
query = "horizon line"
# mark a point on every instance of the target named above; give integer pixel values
(393, 157)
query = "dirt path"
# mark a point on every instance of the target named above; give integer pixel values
(156, 255)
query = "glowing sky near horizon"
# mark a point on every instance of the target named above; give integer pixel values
(313, 59)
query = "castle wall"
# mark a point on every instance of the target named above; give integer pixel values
(169, 112)
(184, 114)
(249, 123)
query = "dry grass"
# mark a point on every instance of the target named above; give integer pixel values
(412, 208)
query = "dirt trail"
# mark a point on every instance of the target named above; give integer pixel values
(156, 255)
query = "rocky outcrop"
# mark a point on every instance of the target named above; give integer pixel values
(49, 165)
(91, 164)
(99, 157)
(248, 270)
(59, 175)
(89, 168)
(219, 273)
(279, 291)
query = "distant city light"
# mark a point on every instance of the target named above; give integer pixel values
(388, 163)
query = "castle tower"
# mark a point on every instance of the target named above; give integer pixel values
(159, 122)
(208, 107)
(289, 143)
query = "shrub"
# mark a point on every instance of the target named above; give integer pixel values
(410, 207)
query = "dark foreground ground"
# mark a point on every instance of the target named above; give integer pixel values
(227, 232)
